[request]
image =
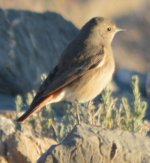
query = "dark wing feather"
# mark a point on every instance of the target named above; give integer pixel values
(63, 76)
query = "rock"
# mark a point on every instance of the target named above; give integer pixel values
(2, 150)
(30, 45)
(9, 114)
(91, 144)
(7, 102)
(20, 147)
(7, 127)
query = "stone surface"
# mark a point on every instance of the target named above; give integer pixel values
(20, 147)
(30, 45)
(7, 102)
(23, 148)
(92, 144)
(7, 127)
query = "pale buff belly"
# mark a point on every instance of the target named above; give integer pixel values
(90, 85)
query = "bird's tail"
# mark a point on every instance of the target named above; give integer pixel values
(39, 102)
(34, 109)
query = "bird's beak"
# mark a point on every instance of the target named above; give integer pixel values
(120, 30)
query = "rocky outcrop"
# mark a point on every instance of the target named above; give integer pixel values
(90, 144)
(30, 44)
(85, 143)
(20, 147)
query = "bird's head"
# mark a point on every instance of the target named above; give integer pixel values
(100, 29)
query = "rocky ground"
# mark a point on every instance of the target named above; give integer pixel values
(20, 147)
(85, 143)
(91, 144)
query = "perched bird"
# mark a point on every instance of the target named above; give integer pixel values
(84, 70)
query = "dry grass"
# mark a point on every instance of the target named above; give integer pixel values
(110, 113)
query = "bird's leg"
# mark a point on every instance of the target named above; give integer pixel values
(90, 116)
(77, 105)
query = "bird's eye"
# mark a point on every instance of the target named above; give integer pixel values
(109, 29)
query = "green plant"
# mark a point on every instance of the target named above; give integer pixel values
(133, 119)
(111, 113)
(121, 113)
(107, 113)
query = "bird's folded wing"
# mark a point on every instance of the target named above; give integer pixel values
(64, 77)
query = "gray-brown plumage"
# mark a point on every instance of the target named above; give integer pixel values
(85, 68)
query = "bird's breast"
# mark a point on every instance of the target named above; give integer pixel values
(92, 83)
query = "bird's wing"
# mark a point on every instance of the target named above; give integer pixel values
(61, 77)
(65, 76)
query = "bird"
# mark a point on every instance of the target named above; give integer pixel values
(85, 67)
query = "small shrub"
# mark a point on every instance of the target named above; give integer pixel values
(111, 113)
(134, 113)
(120, 113)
